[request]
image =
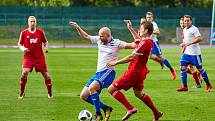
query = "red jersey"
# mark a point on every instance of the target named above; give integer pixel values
(137, 69)
(34, 42)
(143, 49)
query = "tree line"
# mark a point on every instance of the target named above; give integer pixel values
(112, 3)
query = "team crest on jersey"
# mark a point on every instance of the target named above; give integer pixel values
(35, 40)
(27, 36)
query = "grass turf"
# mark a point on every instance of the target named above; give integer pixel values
(71, 68)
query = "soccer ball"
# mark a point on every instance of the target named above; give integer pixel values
(85, 115)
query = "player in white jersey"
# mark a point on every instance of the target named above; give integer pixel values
(190, 69)
(192, 54)
(108, 49)
(156, 53)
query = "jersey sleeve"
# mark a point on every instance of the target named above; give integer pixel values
(21, 39)
(139, 50)
(155, 26)
(94, 39)
(196, 32)
(121, 44)
(44, 40)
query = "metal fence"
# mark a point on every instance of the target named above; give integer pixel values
(54, 20)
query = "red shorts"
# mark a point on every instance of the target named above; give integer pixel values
(39, 65)
(129, 79)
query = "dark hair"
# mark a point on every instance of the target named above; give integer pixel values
(149, 13)
(188, 16)
(149, 26)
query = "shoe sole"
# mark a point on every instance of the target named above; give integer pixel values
(129, 115)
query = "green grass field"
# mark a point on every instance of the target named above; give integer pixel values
(71, 68)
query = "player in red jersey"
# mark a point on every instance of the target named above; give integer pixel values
(136, 73)
(30, 42)
(190, 69)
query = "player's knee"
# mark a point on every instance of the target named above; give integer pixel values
(25, 73)
(46, 76)
(92, 89)
(111, 89)
(182, 68)
(83, 97)
(139, 94)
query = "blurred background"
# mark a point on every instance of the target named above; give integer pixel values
(54, 15)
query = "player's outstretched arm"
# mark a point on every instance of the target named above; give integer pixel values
(122, 61)
(130, 28)
(81, 32)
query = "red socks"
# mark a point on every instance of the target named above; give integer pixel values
(23, 81)
(121, 98)
(147, 100)
(196, 77)
(48, 83)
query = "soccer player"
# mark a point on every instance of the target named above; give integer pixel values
(156, 53)
(108, 49)
(136, 73)
(192, 54)
(190, 69)
(31, 43)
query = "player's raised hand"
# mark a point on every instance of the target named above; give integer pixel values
(112, 63)
(71, 23)
(128, 23)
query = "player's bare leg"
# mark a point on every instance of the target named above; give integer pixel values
(85, 93)
(23, 82)
(118, 95)
(48, 83)
(147, 100)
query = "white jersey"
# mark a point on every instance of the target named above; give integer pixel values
(189, 35)
(154, 36)
(107, 53)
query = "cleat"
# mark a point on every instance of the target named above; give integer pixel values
(208, 88)
(173, 73)
(21, 95)
(98, 117)
(129, 113)
(180, 89)
(107, 113)
(50, 96)
(156, 117)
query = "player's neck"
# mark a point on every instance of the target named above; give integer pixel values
(32, 30)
